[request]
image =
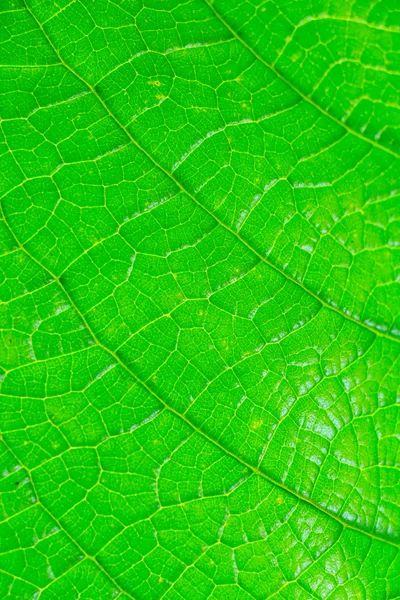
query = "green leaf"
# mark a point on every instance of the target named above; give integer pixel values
(199, 299)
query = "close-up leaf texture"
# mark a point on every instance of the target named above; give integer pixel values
(200, 331)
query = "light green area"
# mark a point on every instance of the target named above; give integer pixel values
(199, 300)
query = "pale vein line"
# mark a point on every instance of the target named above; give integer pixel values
(62, 528)
(293, 87)
(182, 417)
(192, 197)
(203, 434)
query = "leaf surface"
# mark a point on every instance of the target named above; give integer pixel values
(200, 300)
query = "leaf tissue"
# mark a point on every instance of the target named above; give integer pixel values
(200, 331)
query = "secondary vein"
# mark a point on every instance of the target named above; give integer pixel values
(182, 417)
(189, 194)
(293, 87)
(62, 528)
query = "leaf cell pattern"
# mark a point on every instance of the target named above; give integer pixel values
(199, 299)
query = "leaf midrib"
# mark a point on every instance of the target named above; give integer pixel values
(131, 373)
(176, 181)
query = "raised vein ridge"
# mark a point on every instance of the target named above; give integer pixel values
(294, 88)
(183, 417)
(191, 196)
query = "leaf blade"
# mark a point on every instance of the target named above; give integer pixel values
(186, 259)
